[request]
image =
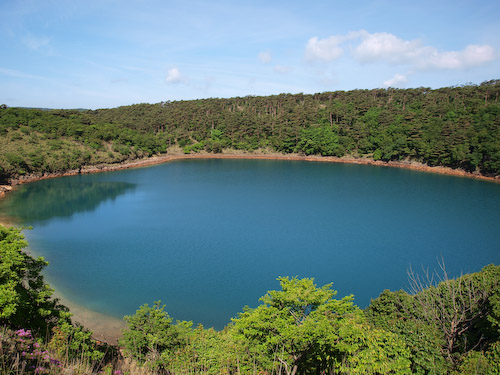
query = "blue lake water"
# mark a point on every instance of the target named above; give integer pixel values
(207, 237)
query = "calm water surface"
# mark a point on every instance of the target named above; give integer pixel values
(208, 237)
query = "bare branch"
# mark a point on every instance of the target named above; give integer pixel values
(452, 305)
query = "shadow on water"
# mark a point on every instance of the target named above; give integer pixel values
(36, 203)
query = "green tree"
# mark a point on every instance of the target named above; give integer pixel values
(151, 336)
(25, 299)
(319, 140)
(303, 329)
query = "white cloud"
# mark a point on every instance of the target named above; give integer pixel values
(393, 50)
(387, 47)
(324, 49)
(330, 48)
(397, 81)
(174, 76)
(472, 55)
(390, 49)
(265, 57)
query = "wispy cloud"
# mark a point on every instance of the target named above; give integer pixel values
(37, 43)
(265, 57)
(18, 74)
(282, 69)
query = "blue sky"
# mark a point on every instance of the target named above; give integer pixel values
(107, 53)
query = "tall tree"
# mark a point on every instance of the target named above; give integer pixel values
(303, 329)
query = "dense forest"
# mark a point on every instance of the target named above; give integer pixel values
(457, 127)
(440, 326)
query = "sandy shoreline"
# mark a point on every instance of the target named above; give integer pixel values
(107, 328)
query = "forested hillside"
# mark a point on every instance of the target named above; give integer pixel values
(457, 127)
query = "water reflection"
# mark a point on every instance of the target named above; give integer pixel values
(36, 203)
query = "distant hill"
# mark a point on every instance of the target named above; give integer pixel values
(456, 127)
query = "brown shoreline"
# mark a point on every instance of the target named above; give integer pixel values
(105, 328)
(154, 160)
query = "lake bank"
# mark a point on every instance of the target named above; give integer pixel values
(105, 328)
(177, 154)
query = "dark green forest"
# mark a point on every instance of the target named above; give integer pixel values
(457, 127)
(441, 325)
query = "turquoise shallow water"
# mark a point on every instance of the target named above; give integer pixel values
(208, 237)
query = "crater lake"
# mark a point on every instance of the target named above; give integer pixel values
(207, 237)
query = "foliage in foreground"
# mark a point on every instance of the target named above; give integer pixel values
(25, 299)
(447, 327)
(301, 329)
(304, 330)
(36, 332)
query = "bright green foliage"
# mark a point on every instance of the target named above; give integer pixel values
(152, 337)
(319, 140)
(302, 329)
(72, 341)
(474, 363)
(368, 350)
(25, 299)
(479, 363)
(207, 351)
(197, 147)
